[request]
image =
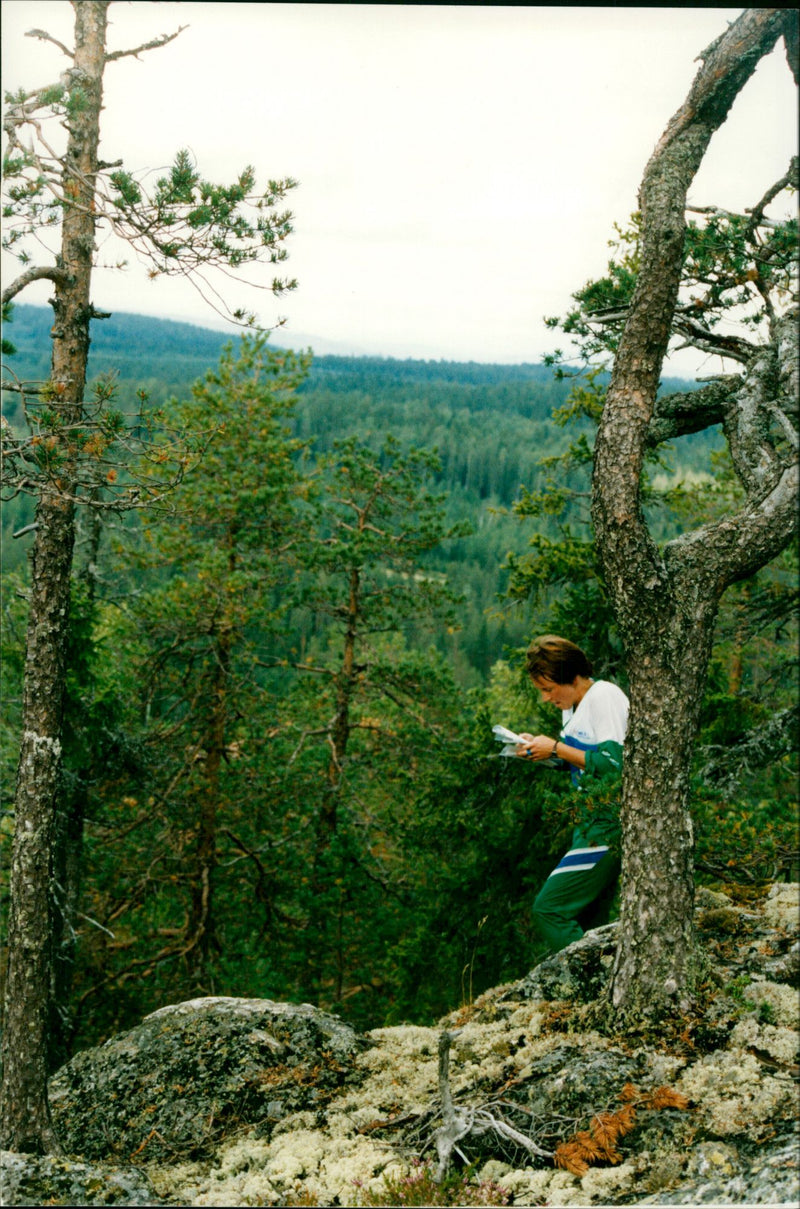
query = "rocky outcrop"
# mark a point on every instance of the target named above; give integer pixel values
(241, 1102)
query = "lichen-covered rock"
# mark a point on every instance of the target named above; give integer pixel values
(780, 907)
(563, 1082)
(27, 1179)
(578, 973)
(722, 1175)
(189, 1073)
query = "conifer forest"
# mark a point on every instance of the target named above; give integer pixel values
(277, 785)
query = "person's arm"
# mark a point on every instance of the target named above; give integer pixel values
(605, 760)
(541, 747)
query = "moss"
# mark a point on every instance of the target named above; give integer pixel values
(722, 920)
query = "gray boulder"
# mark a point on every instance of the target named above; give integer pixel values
(177, 1083)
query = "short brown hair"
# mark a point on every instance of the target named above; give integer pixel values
(557, 659)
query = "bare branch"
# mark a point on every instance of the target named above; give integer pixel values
(790, 179)
(44, 36)
(22, 388)
(734, 548)
(791, 40)
(682, 413)
(718, 212)
(727, 65)
(156, 44)
(760, 460)
(36, 273)
(25, 529)
(707, 341)
(460, 1122)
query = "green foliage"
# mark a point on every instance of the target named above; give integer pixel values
(766, 1013)
(8, 348)
(224, 718)
(483, 832)
(376, 517)
(438, 847)
(189, 223)
(732, 262)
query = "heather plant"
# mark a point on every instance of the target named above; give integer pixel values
(420, 1188)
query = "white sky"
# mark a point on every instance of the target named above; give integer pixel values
(460, 167)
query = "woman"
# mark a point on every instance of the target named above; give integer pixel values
(594, 724)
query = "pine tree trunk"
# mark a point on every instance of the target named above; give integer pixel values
(69, 828)
(25, 1115)
(653, 971)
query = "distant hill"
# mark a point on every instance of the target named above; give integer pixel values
(132, 345)
(491, 425)
(138, 345)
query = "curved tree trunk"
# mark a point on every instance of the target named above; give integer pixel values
(666, 601)
(25, 1114)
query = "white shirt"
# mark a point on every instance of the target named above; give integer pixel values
(600, 715)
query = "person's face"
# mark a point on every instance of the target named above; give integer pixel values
(563, 696)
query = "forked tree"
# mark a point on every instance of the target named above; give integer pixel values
(665, 598)
(181, 225)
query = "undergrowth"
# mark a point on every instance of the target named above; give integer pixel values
(420, 1188)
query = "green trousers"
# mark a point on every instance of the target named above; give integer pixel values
(575, 896)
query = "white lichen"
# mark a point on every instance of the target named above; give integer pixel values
(779, 1043)
(294, 1155)
(526, 1186)
(781, 999)
(565, 1189)
(733, 1094)
(296, 1120)
(782, 907)
(245, 1154)
(604, 1184)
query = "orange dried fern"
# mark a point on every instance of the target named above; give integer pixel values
(667, 1097)
(598, 1143)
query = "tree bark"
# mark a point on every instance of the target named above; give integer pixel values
(23, 1101)
(67, 861)
(665, 602)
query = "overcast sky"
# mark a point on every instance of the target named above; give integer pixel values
(460, 167)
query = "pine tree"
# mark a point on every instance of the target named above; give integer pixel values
(188, 226)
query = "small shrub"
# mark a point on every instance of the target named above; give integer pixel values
(420, 1188)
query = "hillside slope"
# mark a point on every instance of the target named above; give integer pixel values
(250, 1102)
